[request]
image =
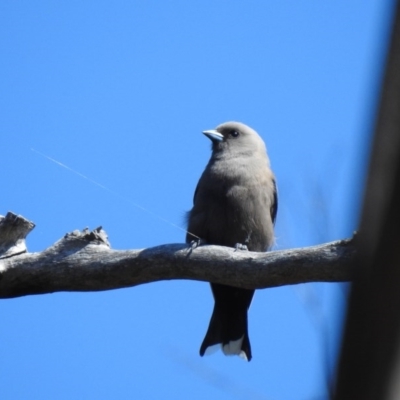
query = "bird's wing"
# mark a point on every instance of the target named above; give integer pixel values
(274, 205)
(195, 192)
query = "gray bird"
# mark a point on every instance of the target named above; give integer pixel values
(235, 205)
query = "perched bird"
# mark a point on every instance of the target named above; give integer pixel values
(235, 205)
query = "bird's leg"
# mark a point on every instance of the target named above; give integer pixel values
(243, 246)
(196, 243)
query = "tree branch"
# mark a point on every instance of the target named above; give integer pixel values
(83, 261)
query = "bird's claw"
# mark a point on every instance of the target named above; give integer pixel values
(240, 246)
(196, 243)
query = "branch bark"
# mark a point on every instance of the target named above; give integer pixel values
(83, 261)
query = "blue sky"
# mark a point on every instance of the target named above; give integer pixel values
(120, 92)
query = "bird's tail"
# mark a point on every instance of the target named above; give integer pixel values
(228, 324)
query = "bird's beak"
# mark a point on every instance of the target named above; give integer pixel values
(214, 136)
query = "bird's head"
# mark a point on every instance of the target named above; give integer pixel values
(235, 137)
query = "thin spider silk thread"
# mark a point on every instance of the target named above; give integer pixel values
(114, 193)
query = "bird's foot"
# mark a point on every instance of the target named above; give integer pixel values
(240, 246)
(196, 243)
(243, 246)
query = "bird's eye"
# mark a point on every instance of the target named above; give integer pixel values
(234, 133)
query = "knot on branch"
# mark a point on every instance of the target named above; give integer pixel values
(96, 236)
(13, 231)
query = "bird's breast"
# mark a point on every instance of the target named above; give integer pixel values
(233, 208)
